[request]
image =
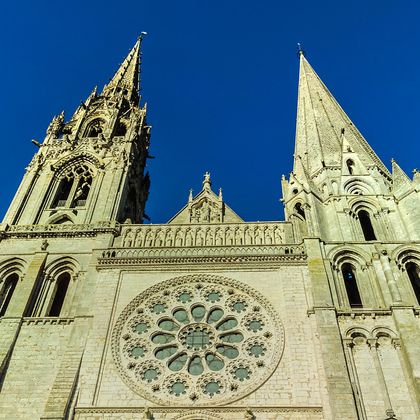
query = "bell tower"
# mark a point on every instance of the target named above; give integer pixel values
(91, 168)
(339, 189)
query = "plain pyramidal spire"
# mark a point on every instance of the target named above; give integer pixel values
(322, 125)
(127, 78)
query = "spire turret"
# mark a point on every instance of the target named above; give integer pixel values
(321, 123)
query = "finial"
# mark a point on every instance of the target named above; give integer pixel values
(301, 51)
(207, 181)
(142, 35)
(190, 197)
(220, 194)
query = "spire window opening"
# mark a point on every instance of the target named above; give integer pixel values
(74, 187)
(299, 210)
(59, 295)
(95, 128)
(7, 292)
(413, 272)
(121, 130)
(350, 166)
(82, 191)
(366, 224)
(352, 289)
(63, 192)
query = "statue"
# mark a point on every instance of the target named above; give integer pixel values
(205, 212)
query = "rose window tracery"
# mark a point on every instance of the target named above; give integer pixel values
(197, 340)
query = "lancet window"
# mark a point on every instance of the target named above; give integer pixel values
(95, 128)
(74, 187)
(366, 224)
(59, 294)
(350, 283)
(121, 129)
(350, 166)
(6, 292)
(413, 272)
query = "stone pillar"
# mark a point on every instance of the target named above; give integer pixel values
(409, 331)
(390, 279)
(340, 392)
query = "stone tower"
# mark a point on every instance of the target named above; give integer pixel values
(208, 316)
(90, 169)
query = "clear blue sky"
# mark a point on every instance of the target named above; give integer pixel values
(220, 78)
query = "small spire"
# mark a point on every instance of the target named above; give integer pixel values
(190, 197)
(207, 181)
(220, 194)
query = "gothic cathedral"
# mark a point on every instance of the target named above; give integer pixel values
(208, 317)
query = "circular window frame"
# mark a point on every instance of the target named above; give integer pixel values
(261, 366)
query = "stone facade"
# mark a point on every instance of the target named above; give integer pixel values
(208, 316)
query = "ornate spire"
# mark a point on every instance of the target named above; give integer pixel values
(320, 124)
(127, 78)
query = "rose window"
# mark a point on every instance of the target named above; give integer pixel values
(197, 340)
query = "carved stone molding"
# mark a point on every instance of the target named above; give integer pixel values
(63, 230)
(212, 234)
(248, 255)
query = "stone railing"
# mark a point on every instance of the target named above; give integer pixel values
(58, 230)
(206, 235)
(225, 255)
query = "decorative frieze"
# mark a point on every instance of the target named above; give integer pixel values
(59, 230)
(199, 235)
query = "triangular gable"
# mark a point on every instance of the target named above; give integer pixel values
(206, 207)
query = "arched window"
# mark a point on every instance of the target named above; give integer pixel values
(413, 272)
(6, 292)
(366, 225)
(95, 128)
(121, 130)
(299, 210)
(351, 286)
(350, 166)
(82, 190)
(63, 191)
(73, 188)
(59, 295)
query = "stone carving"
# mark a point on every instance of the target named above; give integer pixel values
(210, 235)
(56, 125)
(206, 211)
(197, 340)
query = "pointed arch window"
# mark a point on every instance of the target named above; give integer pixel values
(59, 294)
(73, 188)
(299, 210)
(350, 283)
(121, 129)
(413, 272)
(350, 166)
(366, 224)
(6, 292)
(63, 191)
(95, 128)
(299, 213)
